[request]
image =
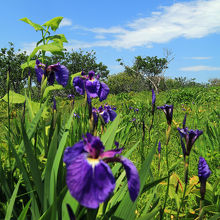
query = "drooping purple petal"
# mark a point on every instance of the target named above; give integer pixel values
(132, 178)
(39, 70)
(78, 83)
(105, 115)
(203, 170)
(112, 115)
(153, 101)
(89, 182)
(103, 91)
(92, 87)
(71, 153)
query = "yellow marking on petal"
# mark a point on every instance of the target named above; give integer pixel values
(93, 161)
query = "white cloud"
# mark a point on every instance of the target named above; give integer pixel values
(65, 22)
(194, 19)
(201, 58)
(28, 47)
(199, 68)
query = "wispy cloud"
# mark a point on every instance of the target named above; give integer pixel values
(65, 22)
(198, 58)
(28, 47)
(199, 68)
(194, 19)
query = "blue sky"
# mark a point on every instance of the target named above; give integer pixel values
(125, 29)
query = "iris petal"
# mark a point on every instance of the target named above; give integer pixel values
(89, 183)
(103, 92)
(39, 71)
(132, 178)
(62, 74)
(92, 87)
(71, 153)
(79, 85)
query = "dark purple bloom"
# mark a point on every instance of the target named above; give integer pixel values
(89, 178)
(116, 144)
(203, 173)
(190, 137)
(133, 119)
(52, 72)
(168, 110)
(137, 109)
(159, 147)
(184, 121)
(153, 101)
(203, 170)
(106, 113)
(91, 84)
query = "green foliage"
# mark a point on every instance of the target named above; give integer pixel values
(124, 82)
(10, 61)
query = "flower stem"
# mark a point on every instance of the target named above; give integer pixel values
(186, 168)
(201, 211)
(167, 162)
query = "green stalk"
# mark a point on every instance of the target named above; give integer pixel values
(186, 170)
(9, 125)
(201, 210)
(167, 162)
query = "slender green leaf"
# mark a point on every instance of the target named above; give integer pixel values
(12, 201)
(109, 136)
(36, 175)
(57, 160)
(23, 214)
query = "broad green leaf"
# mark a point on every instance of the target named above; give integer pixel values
(23, 214)
(109, 136)
(31, 64)
(12, 201)
(37, 27)
(51, 88)
(52, 47)
(53, 23)
(14, 98)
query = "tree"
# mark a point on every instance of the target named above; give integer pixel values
(10, 61)
(148, 68)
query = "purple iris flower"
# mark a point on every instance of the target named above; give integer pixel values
(153, 101)
(203, 173)
(89, 178)
(106, 113)
(91, 84)
(203, 170)
(190, 137)
(168, 110)
(76, 115)
(52, 72)
(159, 147)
